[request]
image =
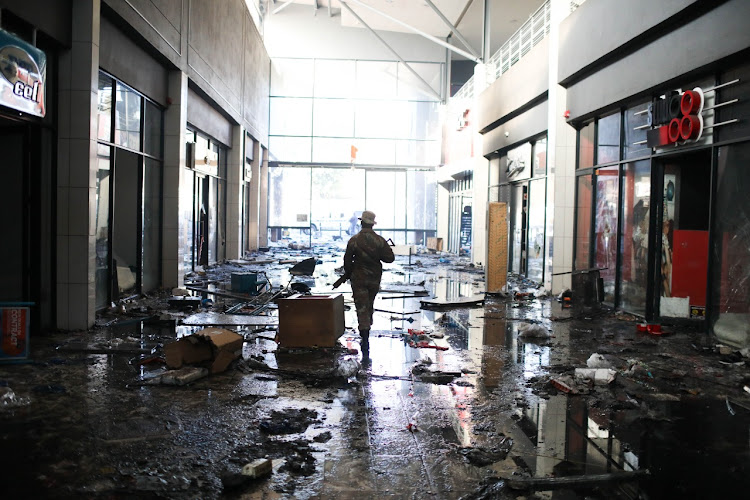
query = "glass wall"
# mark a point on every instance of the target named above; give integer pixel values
(636, 206)
(605, 228)
(583, 222)
(730, 252)
(128, 192)
(537, 211)
(103, 181)
(365, 112)
(323, 204)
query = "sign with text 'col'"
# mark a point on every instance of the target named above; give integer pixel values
(24, 70)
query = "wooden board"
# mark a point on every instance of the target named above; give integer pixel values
(497, 241)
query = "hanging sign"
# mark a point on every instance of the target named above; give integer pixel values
(24, 71)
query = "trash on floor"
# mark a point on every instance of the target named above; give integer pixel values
(570, 482)
(258, 468)
(532, 330)
(600, 376)
(482, 457)
(214, 347)
(596, 360)
(473, 301)
(183, 376)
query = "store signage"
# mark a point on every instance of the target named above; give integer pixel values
(24, 69)
(677, 118)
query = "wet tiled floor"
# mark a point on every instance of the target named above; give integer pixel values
(87, 424)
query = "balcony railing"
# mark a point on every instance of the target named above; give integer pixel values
(520, 43)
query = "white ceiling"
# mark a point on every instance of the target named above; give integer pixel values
(506, 16)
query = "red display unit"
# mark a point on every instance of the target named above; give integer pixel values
(690, 265)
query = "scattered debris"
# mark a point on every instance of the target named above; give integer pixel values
(596, 360)
(600, 376)
(258, 468)
(554, 483)
(473, 301)
(482, 457)
(183, 376)
(214, 347)
(8, 399)
(289, 421)
(532, 330)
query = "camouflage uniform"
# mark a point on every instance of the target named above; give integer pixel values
(362, 264)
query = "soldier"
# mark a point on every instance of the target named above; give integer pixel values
(364, 252)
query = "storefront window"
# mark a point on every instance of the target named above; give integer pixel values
(539, 157)
(583, 222)
(636, 200)
(128, 118)
(518, 163)
(151, 224)
(537, 197)
(605, 228)
(104, 108)
(608, 139)
(730, 297)
(102, 225)
(517, 226)
(586, 146)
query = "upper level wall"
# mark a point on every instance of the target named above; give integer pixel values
(658, 60)
(598, 30)
(521, 86)
(217, 44)
(296, 32)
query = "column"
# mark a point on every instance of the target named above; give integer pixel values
(254, 204)
(561, 158)
(263, 200)
(175, 123)
(235, 166)
(77, 169)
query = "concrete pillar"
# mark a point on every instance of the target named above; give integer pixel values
(561, 157)
(235, 167)
(77, 169)
(263, 201)
(175, 123)
(254, 198)
(479, 209)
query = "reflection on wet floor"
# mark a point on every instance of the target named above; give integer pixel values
(416, 422)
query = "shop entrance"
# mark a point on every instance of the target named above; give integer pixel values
(14, 250)
(201, 220)
(684, 225)
(518, 217)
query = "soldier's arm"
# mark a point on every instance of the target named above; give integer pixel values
(386, 252)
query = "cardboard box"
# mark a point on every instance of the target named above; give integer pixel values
(311, 320)
(215, 348)
(435, 244)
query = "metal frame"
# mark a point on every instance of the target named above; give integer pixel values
(409, 27)
(392, 50)
(453, 29)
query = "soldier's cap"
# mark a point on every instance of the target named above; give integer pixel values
(368, 217)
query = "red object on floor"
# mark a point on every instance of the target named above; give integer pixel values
(654, 329)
